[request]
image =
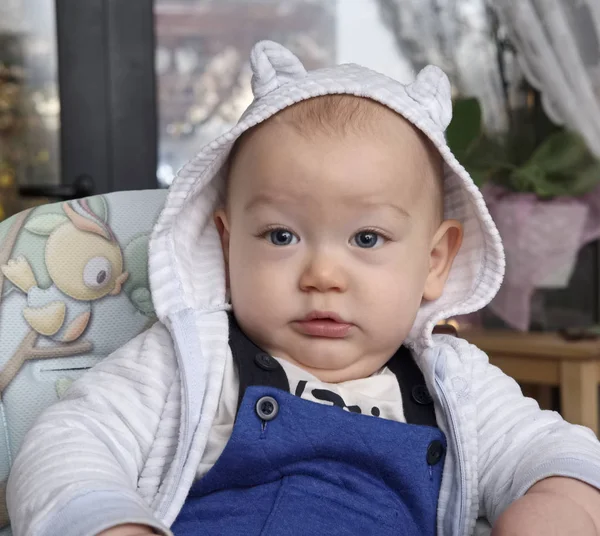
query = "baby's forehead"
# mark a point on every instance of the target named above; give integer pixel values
(348, 123)
(339, 117)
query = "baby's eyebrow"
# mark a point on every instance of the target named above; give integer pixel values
(266, 199)
(361, 203)
(382, 204)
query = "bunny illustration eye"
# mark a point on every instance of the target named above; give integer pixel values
(97, 272)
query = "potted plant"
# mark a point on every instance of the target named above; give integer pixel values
(541, 185)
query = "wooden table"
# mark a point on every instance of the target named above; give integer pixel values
(546, 360)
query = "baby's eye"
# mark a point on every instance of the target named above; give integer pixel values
(281, 237)
(368, 240)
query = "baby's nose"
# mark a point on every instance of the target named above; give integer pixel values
(323, 273)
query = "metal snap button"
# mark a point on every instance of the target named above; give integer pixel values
(267, 408)
(435, 452)
(265, 361)
(421, 395)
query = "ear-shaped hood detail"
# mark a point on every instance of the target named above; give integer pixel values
(431, 89)
(273, 66)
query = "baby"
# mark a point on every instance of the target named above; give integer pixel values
(293, 384)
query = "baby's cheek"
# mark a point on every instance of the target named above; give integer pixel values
(396, 298)
(258, 283)
(262, 302)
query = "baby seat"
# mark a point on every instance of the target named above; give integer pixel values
(73, 288)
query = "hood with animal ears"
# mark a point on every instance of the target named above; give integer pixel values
(186, 263)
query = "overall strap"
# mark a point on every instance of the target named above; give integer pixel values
(416, 400)
(256, 367)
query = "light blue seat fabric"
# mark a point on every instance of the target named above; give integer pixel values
(73, 288)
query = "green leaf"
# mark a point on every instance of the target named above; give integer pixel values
(561, 166)
(586, 180)
(465, 128)
(486, 160)
(560, 152)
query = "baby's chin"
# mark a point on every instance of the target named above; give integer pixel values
(331, 360)
(334, 365)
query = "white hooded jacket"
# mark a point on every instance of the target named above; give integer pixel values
(125, 443)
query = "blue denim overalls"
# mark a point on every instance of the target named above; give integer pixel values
(298, 468)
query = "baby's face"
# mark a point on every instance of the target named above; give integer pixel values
(341, 226)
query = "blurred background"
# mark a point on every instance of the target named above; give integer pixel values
(105, 95)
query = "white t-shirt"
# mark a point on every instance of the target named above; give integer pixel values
(377, 395)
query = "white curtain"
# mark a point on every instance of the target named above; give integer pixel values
(558, 44)
(457, 36)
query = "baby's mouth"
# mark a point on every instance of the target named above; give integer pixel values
(323, 324)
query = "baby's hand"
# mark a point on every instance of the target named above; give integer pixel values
(128, 530)
(553, 506)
